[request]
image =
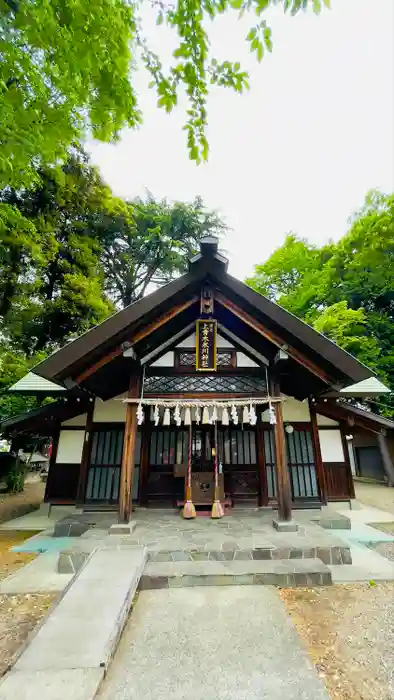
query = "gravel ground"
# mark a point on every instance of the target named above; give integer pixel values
(17, 504)
(19, 614)
(349, 630)
(376, 495)
(386, 549)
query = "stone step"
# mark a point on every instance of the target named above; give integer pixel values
(285, 573)
(328, 555)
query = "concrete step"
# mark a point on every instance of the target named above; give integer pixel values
(285, 573)
(333, 554)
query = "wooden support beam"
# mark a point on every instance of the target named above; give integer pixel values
(336, 412)
(52, 460)
(345, 447)
(262, 470)
(147, 330)
(317, 453)
(282, 470)
(83, 472)
(386, 458)
(128, 454)
(273, 338)
(146, 434)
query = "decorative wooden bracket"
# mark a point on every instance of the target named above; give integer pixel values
(206, 301)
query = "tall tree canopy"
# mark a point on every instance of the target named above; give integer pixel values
(71, 254)
(67, 67)
(345, 290)
(152, 244)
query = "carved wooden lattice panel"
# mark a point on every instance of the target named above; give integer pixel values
(190, 384)
(187, 358)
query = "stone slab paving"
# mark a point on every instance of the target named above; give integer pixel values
(167, 536)
(284, 573)
(233, 643)
(82, 632)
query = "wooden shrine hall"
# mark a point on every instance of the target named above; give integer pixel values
(204, 396)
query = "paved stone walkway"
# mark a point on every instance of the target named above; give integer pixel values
(236, 643)
(242, 530)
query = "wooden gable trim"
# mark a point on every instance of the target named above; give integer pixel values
(348, 418)
(272, 337)
(134, 339)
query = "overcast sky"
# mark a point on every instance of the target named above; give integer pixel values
(298, 151)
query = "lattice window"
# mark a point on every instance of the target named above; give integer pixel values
(187, 359)
(224, 358)
(191, 384)
(301, 463)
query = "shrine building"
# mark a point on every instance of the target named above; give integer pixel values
(203, 396)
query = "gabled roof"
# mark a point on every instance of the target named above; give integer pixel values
(369, 387)
(208, 265)
(32, 383)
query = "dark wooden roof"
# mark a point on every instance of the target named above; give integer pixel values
(206, 266)
(339, 410)
(43, 420)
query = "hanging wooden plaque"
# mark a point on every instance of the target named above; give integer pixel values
(206, 345)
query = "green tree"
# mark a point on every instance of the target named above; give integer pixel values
(76, 252)
(67, 69)
(64, 278)
(149, 243)
(348, 328)
(344, 290)
(20, 252)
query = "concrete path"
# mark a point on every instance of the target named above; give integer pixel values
(68, 656)
(205, 643)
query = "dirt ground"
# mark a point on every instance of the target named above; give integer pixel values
(17, 504)
(349, 631)
(19, 614)
(376, 495)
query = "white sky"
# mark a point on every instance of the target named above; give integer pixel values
(298, 151)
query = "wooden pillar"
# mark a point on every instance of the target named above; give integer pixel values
(262, 470)
(282, 471)
(83, 472)
(128, 454)
(146, 434)
(386, 458)
(349, 474)
(317, 453)
(52, 463)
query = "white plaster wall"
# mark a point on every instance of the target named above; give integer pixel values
(245, 361)
(331, 446)
(79, 421)
(293, 411)
(70, 446)
(323, 420)
(166, 360)
(112, 411)
(190, 342)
